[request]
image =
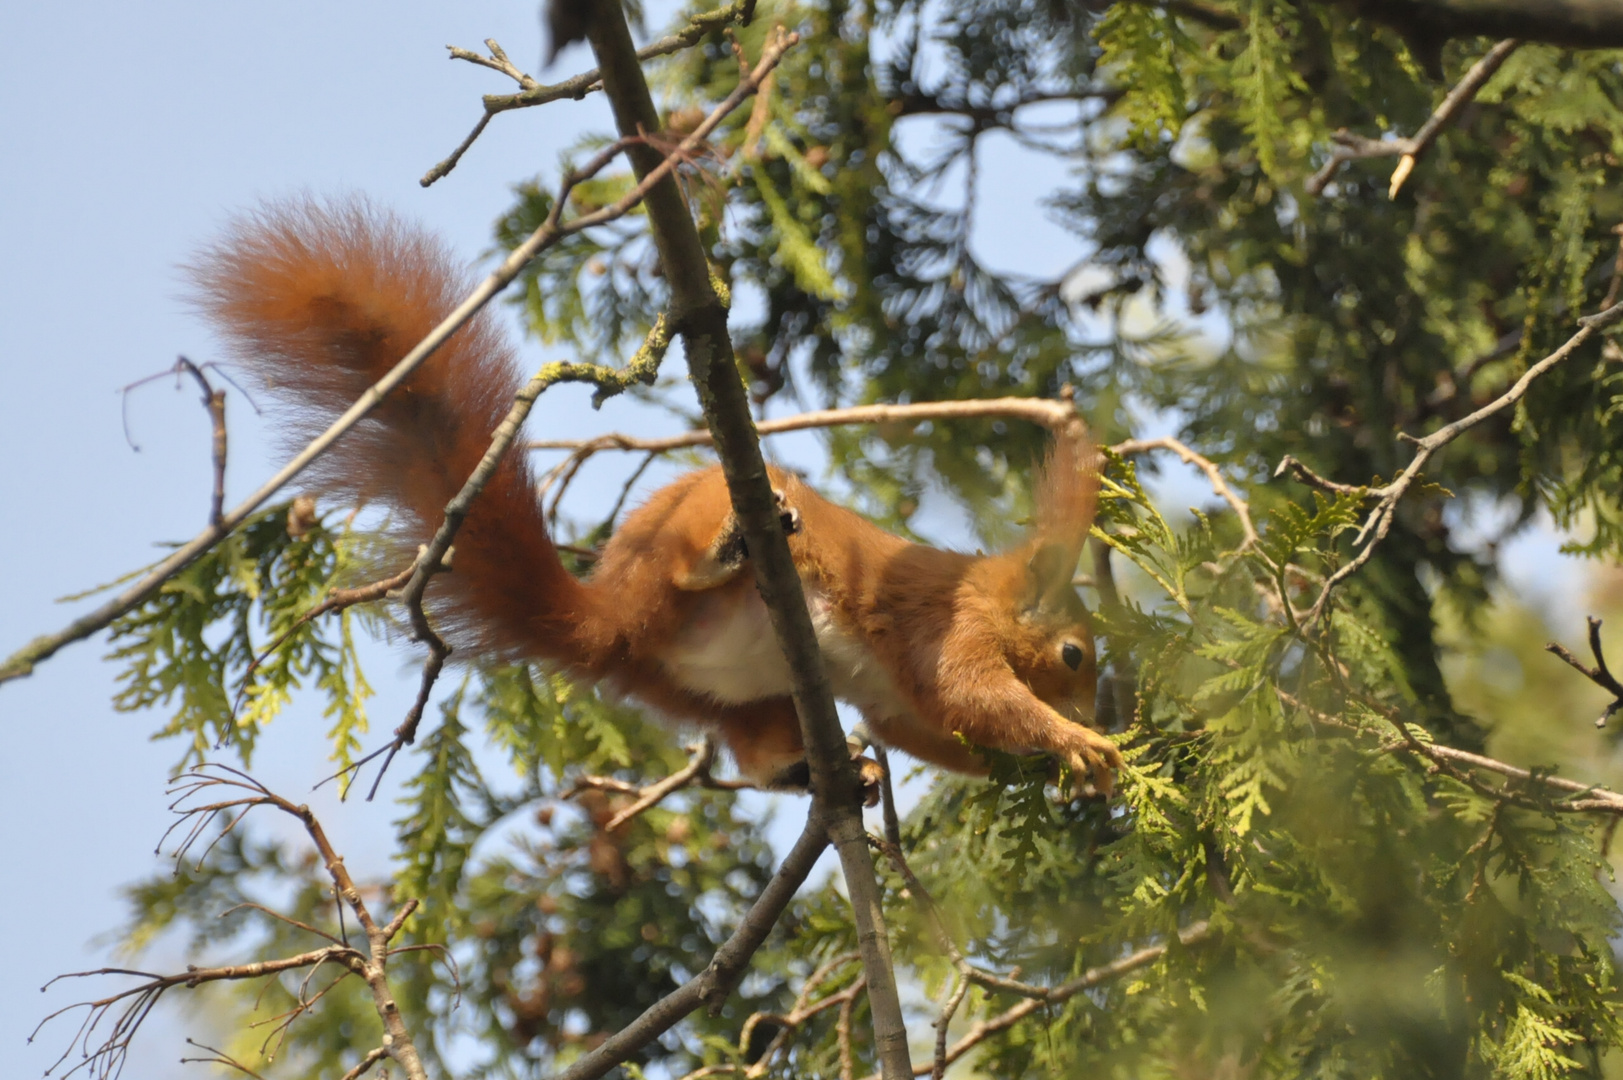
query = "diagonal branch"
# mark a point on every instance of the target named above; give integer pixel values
(532, 93)
(1051, 414)
(1600, 674)
(695, 773)
(1379, 521)
(1351, 147)
(1048, 413)
(1576, 797)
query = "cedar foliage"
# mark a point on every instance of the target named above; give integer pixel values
(1370, 917)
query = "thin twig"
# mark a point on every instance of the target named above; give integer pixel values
(337, 600)
(1048, 413)
(1289, 464)
(704, 755)
(262, 909)
(1043, 411)
(960, 987)
(220, 1058)
(1351, 147)
(106, 1058)
(373, 1056)
(1578, 797)
(1600, 674)
(1214, 476)
(533, 93)
(214, 402)
(887, 795)
(1379, 521)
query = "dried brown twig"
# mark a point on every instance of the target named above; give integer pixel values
(1379, 520)
(1600, 674)
(695, 773)
(532, 93)
(1351, 147)
(128, 1008)
(214, 402)
(1045, 412)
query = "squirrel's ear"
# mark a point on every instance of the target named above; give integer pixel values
(1049, 570)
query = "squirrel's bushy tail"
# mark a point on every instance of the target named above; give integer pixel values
(318, 301)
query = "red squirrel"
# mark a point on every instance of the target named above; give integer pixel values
(940, 652)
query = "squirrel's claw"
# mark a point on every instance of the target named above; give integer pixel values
(1096, 761)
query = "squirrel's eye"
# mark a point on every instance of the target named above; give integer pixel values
(1072, 655)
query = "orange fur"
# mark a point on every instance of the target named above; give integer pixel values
(319, 301)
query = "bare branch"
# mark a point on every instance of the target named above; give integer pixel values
(1576, 798)
(1241, 508)
(278, 916)
(371, 965)
(1379, 521)
(373, 1056)
(534, 93)
(1043, 411)
(695, 773)
(1288, 463)
(959, 987)
(701, 316)
(220, 1058)
(1350, 147)
(128, 1009)
(1047, 413)
(1600, 674)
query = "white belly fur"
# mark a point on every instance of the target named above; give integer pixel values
(728, 652)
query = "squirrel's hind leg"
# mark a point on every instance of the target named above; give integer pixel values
(764, 738)
(727, 553)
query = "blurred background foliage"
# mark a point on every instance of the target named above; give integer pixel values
(1371, 916)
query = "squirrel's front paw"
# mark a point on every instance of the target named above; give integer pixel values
(1094, 759)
